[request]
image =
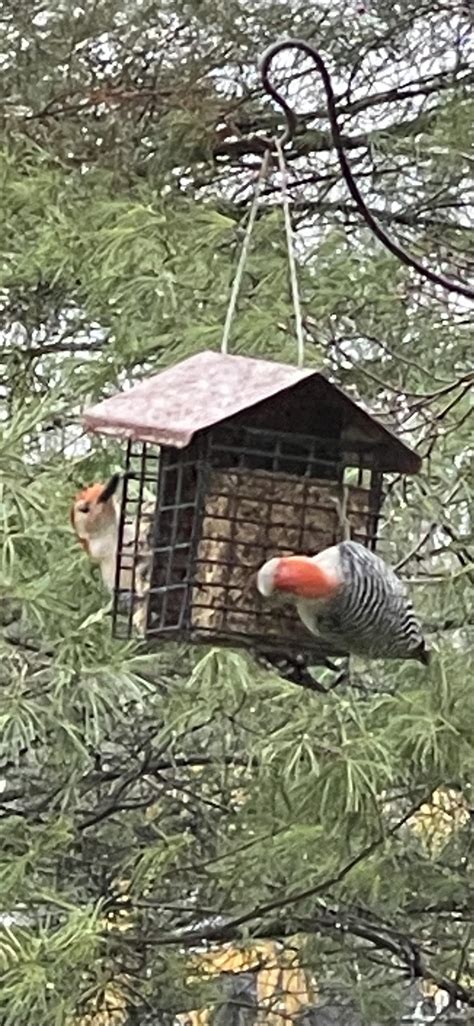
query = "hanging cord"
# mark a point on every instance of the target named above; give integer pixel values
(378, 231)
(272, 144)
(262, 174)
(295, 294)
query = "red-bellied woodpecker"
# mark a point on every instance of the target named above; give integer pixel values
(349, 597)
(95, 518)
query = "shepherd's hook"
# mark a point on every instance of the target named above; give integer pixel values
(291, 122)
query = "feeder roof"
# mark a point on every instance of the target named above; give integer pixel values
(169, 408)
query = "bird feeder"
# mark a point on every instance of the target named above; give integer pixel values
(246, 459)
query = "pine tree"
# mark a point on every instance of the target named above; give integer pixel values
(158, 806)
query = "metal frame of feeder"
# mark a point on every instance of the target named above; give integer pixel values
(222, 507)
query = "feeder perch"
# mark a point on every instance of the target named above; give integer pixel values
(246, 459)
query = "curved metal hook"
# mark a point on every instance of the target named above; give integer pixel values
(378, 231)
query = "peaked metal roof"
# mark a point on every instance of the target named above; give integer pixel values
(170, 407)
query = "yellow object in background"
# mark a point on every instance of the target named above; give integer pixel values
(437, 820)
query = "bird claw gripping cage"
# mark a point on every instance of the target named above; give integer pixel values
(230, 461)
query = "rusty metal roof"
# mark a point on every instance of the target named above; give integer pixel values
(170, 407)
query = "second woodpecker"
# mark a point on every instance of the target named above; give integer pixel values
(347, 596)
(95, 518)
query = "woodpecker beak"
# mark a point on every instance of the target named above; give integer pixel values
(110, 488)
(297, 575)
(266, 577)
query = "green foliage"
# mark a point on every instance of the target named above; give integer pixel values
(41, 969)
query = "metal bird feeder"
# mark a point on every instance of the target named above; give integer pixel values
(247, 459)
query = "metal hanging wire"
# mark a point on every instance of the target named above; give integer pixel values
(244, 251)
(378, 231)
(272, 145)
(295, 293)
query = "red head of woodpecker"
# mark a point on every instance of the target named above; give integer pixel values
(299, 576)
(95, 519)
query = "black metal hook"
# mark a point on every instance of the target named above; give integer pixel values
(291, 122)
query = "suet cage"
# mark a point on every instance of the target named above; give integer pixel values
(244, 460)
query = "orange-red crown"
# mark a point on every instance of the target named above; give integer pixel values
(301, 576)
(88, 494)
